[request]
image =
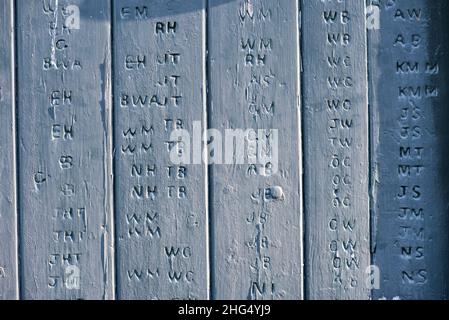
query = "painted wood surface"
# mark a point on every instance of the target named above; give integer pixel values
(161, 207)
(255, 202)
(335, 133)
(64, 72)
(409, 69)
(8, 213)
(321, 174)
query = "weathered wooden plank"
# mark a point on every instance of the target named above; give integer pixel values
(8, 212)
(255, 203)
(64, 150)
(335, 133)
(409, 70)
(159, 59)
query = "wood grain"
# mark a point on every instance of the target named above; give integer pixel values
(409, 70)
(161, 206)
(64, 149)
(255, 204)
(8, 212)
(335, 110)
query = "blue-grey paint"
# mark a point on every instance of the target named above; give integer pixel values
(8, 217)
(255, 208)
(409, 70)
(159, 86)
(335, 111)
(104, 212)
(64, 102)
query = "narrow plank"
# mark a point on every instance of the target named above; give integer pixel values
(64, 150)
(8, 212)
(255, 203)
(159, 86)
(409, 69)
(335, 133)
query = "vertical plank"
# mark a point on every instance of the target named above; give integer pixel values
(8, 212)
(335, 125)
(159, 86)
(255, 203)
(409, 70)
(64, 149)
